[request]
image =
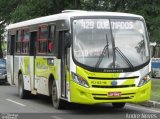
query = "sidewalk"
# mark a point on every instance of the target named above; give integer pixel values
(151, 103)
(155, 95)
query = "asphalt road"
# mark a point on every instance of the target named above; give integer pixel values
(40, 107)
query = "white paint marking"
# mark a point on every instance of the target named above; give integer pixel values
(16, 102)
(56, 117)
(144, 108)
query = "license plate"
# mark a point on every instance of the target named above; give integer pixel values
(114, 94)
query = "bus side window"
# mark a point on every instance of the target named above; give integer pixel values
(10, 44)
(50, 46)
(18, 41)
(42, 39)
(25, 41)
(51, 39)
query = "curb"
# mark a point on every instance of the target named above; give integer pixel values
(151, 103)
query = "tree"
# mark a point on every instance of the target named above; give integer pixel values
(29, 9)
(6, 7)
(19, 10)
(77, 4)
(149, 9)
(1, 39)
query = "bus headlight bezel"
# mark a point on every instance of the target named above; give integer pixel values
(144, 80)
(80, 80)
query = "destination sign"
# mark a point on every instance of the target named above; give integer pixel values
(104, 24)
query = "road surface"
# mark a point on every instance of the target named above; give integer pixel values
(40, 107)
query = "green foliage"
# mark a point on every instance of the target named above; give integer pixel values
(29, 9)
(6, 7)
(155, 91)
(19, 10)
(12, 11)
(149, 9)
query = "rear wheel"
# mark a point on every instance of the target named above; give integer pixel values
(57, 103)
(21, 91)
(118, 105)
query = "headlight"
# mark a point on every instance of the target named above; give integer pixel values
(80, 80)
(144, 80)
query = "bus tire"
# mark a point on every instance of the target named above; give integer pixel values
(21, 91)
(57, 103)
(118, 105)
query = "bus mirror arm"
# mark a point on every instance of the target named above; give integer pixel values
(67, 38)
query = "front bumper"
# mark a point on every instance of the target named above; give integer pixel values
(80, 94)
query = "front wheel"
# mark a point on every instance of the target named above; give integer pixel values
(21, 91)
(57, 103)
(118, 105)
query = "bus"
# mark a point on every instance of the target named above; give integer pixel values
(84, 57)
(155, 61)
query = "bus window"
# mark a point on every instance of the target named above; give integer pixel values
(25, 41)
(51, 39)
(9, 44)
(50, 46)
(18, 41)
(42, 39)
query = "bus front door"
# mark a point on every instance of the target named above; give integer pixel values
(64, 65)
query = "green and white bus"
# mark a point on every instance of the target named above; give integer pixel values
(83, 57)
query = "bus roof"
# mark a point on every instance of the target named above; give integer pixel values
(67, 14)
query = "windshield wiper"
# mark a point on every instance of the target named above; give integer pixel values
(103, 53)
(124, 57)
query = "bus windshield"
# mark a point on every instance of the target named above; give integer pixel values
(110, 43)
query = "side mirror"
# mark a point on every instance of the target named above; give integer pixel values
(67, 38)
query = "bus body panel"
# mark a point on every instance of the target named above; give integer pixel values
(92, 96)
(36, 75)
(10, 69)
(22, 65)
(43, 69)
(101, 84)
(16, 68)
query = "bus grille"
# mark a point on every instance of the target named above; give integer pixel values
(119, 98)
(118, 86)
(106, 78)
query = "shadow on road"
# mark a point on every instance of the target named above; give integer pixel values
(4, 84)
(98, 109)
(81, 108)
